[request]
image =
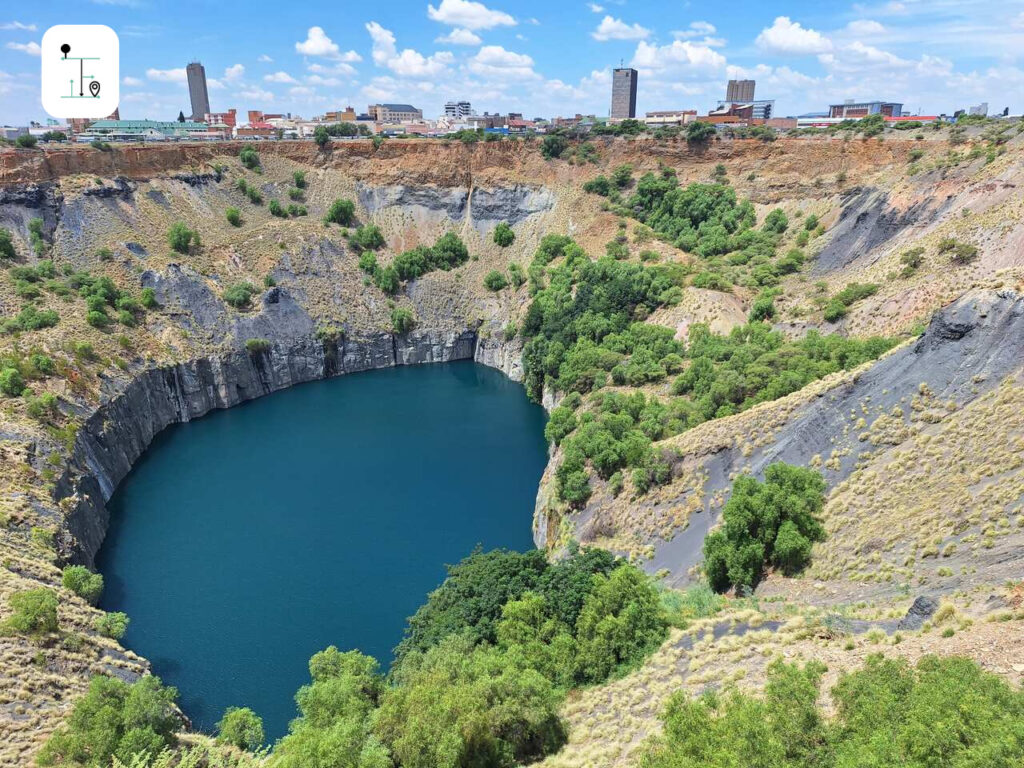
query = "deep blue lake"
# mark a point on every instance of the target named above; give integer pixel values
(244, 542)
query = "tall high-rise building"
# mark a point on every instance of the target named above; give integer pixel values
(740, 91)
(623, 93)
(197, 90)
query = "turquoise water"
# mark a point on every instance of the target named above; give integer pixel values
(245, 541)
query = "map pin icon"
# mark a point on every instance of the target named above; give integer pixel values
(94, 87)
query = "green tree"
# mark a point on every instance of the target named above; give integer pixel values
(460, 705)
(242, 728)
(34, 611)
(113, 624)
(700, 132)
(341, 212)
(470, 599)
(773, 522)
(83, 582)
(321, 136)
(621, 621)
(115, 719)
(26, 141)
(553, 145)
(234, 217)
(7, 245)
(503, 235)
(333, 729)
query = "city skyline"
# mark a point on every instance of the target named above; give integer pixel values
(538, 59)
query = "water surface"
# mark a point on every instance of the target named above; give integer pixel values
(245, 541)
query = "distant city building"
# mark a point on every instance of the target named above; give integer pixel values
(740, 91)
(197, 92)
(79, 124)
(981, 109)
(147, 130)
(623, 93)
(488, 121)
(229, 118)
(852, 110)
(347, 115)
(458, 110)
(760, 110)
(395, 113)
(665, 117)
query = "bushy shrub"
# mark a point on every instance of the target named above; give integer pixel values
(503, 235)
(944, 712)
(12, 383)
(6, 245)
(234, 217)
(148, 298)
(776, 221)
(33, 611)
(250, 158)
(367, 238)
(276, 209)
(769, 523)
(553, 145)
(112, 625)
(402, 319)
(257, 346)
(700, 132)
(238, 295)
(180, 237)
(495, 280)
(299, 177)
(83, 582)
(115, 720)
(241, 728)
(341, 212)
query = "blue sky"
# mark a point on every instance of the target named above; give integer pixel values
(540, 57)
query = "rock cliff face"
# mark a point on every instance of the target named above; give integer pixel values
(135, 411)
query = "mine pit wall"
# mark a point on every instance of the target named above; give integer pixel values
(114, 437)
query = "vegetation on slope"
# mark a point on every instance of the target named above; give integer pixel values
(941, 714)
(586, 332)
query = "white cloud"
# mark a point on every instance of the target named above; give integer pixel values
(32, 48)
(696, 29)
(594, 8)
(408, 63)
(1018, 21)
(493, 61)
(167, 75)
(301, 91)
(469, 14)
(317, 43)
(214, 84)
(787, 36)
(338, 68)
(18, 25)
(865, 27)
(263, 58)
(256, 94)
(234, 73)
(280, 77)
(131, 82)
(460, 36)
(617, 29)
(318, 80)
(693, 57)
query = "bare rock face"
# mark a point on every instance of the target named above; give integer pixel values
(924, 608)
(482, 205)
